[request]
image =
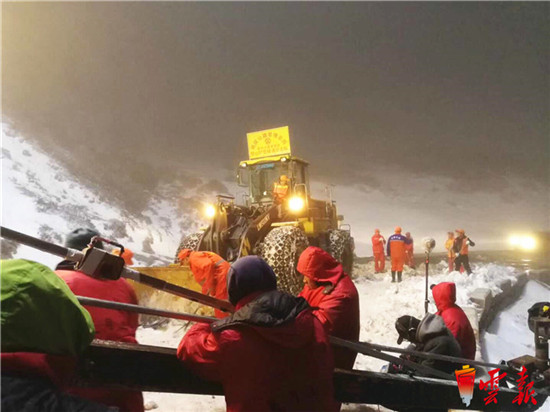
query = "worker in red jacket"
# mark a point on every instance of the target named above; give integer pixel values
(272, 354)
(409, 251)
(329, 289)
(110, 324)
(378, 243)
(210, 271)
(454, 317)
(396, 251)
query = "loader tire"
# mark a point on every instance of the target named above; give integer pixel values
(188, 242)
(341, 247)
(281, 249)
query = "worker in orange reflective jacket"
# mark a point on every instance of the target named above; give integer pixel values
(210, 271)
(378, 243)
(280, 189)
(396, 251)
(460, 247)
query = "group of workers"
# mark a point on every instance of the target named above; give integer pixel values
(400, 250)
(272, 353)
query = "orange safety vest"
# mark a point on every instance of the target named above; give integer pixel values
(279, 191)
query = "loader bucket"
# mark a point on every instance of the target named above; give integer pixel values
(154, 298)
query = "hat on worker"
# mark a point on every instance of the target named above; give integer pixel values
(127, 255)
(398, 229)
(80, 238)
(284, 177)
(461, 231)
(247, 275)
(406, 327)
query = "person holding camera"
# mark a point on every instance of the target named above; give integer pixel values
(460, 247)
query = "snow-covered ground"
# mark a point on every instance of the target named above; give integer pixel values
(508, 335)
(381, 304)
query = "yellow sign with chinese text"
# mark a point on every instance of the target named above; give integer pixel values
(271, 142)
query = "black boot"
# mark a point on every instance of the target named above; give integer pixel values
(393, 276)
(399, 276)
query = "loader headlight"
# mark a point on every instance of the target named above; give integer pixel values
(210, 211)
(296, 204)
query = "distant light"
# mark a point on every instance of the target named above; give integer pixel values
(283, 159)
(210, 211)
(243, 165)
(528, 243)
(296, 204)
(524, 242)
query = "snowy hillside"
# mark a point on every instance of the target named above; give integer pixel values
(42, 199)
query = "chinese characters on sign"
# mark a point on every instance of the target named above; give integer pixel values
(267, 143)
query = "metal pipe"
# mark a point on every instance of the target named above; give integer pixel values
(77, 256)
(364, 349)
(64, 252)
(107, 304)
(426, 355)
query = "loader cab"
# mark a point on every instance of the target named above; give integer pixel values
(261, 175)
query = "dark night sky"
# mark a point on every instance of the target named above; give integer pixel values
(428, 115)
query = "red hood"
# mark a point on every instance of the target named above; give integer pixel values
(444, 295)
(320, 266)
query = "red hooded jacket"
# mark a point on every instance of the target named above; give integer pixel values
(454, 317)
(110, 324)
(336, 298)
(285, 367)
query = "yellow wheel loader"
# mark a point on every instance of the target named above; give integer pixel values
(277, 219)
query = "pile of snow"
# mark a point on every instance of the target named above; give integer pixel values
(381, 303)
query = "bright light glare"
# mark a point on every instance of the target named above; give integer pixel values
(210, 211)
(296, 204)
(523, 242)
(528, 243)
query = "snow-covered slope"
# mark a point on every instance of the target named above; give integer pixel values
(40, 198)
